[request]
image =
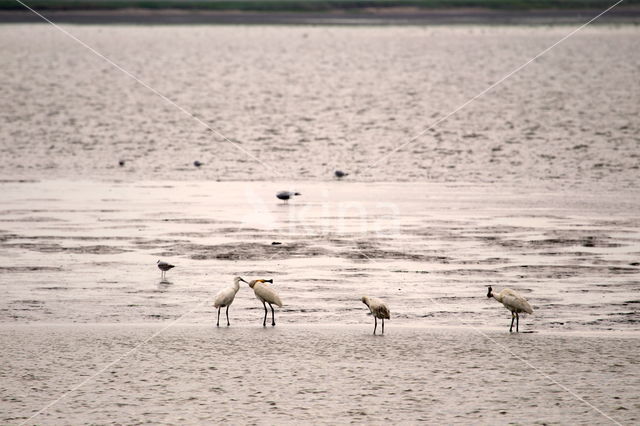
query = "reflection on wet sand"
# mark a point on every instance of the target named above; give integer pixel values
(575, 260)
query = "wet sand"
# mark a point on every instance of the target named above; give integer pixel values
(326, 374)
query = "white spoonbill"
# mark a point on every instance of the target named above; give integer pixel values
(164, 267)
(225, 298)
(378, 309)
(513, 302)
(266, 294)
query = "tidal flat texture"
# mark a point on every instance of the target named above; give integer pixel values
(298, 102)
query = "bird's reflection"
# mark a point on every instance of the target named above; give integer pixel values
(164, 284)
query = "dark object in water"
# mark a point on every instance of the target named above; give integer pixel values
(197, 163)
(340, 174)
(276, 243)
(121, 163)
(164, 267)
(286, 195)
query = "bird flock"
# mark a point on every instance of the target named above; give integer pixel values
(510, 299)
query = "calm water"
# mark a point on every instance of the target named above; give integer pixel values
(86, 252)
(307, 100)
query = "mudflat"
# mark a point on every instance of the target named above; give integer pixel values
(323, 374)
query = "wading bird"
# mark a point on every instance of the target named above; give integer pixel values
(286, 195)
(164, 267)
(266, 294)
(225, 298)
(513, 302)
(378, 309)
(340, 174)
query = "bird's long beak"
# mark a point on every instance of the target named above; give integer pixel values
(242, 279)
(268, 281)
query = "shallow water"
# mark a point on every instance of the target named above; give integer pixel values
(299, 102)
(86, 252)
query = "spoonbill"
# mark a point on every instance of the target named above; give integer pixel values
(513, 302)
(378, 309)
(264, 293)
(225, 298)
(286, 195)
(164, 267)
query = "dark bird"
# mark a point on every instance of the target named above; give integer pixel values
(121, 163)
(286, 195)
(340, 174)
(164, 267)
(198, 163)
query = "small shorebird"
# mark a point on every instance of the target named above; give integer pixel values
(164, 267)
(266, 294)
(340, 174)
(286, 195)
(225, 298)
(513, 302)
(378, 309)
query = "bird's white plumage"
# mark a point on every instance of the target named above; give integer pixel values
(264, 293)
(226, 295)
(513, 301)
(378, 307)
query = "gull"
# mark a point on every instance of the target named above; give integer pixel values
(225, 298)
(378, 309)
(513, 302)
(286, 195)
(264, 293)
(164, 267)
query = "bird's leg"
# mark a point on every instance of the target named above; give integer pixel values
(218, 323)
(517, 322)
(513, 316)
(273, 316)
(228, 324)
(382, 325)
(264, 323)
(376, 325)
